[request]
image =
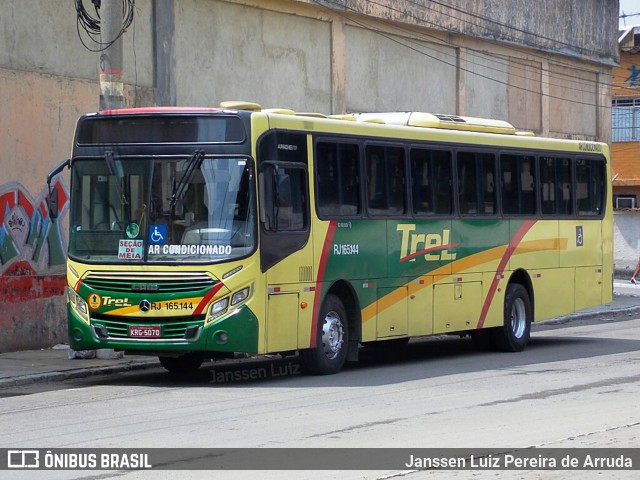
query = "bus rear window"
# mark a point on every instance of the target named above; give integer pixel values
(160, 129)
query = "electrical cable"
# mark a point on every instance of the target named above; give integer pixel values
(383, 34)
(91, 25)
(512, 60)
(496, 59)
(505, 25)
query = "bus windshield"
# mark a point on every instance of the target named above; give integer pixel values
(170, 210)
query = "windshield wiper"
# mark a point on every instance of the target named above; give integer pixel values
(115, 170)
(180, 188)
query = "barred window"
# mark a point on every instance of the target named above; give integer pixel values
(625, 120)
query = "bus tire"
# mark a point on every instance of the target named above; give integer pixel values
(514, 334)
(187, 363)
(332, 340)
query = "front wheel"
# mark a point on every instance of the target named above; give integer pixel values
(332, 340)
(183, 364)
(514, 335)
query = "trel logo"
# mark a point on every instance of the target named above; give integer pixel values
(433, 246)
(115, 302)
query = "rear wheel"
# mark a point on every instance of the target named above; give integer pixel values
(189, 362)
(332, 340)
(514, 335)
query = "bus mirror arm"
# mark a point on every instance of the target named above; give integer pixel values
(53, 194)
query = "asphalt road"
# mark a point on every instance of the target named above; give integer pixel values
(577, 385)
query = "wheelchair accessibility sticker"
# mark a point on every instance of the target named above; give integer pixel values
(157, 234)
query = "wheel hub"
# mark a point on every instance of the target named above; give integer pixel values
(332, 335)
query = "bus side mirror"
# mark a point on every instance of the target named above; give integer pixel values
(53, 203)
(53, 194)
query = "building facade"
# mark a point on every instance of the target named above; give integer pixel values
(626, 121)
(543, 66)
(625, 150)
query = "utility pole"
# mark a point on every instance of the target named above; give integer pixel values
(111, 73)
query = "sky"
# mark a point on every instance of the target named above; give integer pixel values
(630, 6)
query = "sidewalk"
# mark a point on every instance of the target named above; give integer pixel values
(52, 364)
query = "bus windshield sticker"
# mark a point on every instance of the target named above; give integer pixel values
(157, 234)
(133, 230)
(190, 250)
(129, 249)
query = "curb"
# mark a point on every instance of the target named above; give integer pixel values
(589, 315)
(84, 372)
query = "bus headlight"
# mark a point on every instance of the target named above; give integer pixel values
(71, 296)
(82, 307)
(240, 296)
(218, 308)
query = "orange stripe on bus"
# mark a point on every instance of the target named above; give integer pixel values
(505, 252)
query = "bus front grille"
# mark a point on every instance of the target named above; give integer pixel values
(128, 282)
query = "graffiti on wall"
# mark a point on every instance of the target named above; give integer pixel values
(30, 243)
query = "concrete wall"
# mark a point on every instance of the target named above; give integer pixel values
(626, 238)
(300, 54)
(47, 80)
(225, 51)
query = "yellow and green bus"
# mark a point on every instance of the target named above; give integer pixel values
(196, 233)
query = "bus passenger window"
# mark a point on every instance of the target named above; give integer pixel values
(385, 180)
(476, 183)
(431, 181)
(590, 181)
(556, 187)
(467, 192)
(338, 179)
(518, 184)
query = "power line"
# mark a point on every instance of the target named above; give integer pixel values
(624, 16)
(454, 65)
(505, 25)
(496, 59)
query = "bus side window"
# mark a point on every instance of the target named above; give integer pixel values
(476, 183)
(590, 177)
(547, 186)
(422, 193)
(337, 179)
(555, 181)
(385, 180)
(518, 184)
(431, 181)
(467, 189)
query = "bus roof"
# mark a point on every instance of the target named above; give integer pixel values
(410, 119)
(154, 110)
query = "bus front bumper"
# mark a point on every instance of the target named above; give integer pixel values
(236, 332)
